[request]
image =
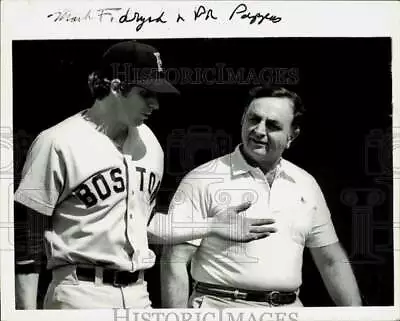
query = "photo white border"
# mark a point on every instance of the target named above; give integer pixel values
(299, 19)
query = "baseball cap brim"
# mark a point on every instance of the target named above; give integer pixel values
(159, 85)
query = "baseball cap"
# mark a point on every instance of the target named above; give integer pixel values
(136, 63)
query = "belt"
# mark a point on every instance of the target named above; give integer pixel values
(274, 298)
(110, 276)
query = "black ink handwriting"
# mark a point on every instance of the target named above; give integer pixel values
(128, 15)
(140, 19)
(66, 15)
(107, 12)
(242, 11)
(180, 18)
(200, 11)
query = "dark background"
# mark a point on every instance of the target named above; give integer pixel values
(345, 84)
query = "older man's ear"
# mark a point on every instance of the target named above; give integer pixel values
(292, 137)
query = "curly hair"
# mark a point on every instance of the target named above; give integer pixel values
(281, 92)
(100, 86)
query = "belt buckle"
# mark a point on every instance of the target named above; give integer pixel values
(239, 295)
(272, 298)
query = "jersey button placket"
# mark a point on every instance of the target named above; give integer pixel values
(129, 200)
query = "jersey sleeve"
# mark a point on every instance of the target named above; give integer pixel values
(42, 176)
(189, 206)
(322, 232)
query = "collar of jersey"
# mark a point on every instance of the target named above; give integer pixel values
(239, 166)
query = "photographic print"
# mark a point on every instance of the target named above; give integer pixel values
(199, 161)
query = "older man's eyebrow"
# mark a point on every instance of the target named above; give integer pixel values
(270, 121)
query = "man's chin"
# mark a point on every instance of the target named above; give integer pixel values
(257, 155)
(260, 158)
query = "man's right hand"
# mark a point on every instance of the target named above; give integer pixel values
(230, 224)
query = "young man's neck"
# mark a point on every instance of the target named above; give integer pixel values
(106, 120)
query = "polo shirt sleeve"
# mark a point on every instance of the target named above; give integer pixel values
(189, 206)
(42, 177)
(322, 232)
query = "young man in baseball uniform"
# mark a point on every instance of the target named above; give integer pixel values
(266, 272)
(93, 179)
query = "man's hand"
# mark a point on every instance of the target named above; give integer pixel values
(231, 225)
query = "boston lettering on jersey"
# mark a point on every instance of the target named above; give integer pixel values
(102, 185)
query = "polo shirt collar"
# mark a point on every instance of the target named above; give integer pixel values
(240, 166)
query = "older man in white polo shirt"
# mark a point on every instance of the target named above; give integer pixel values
(265, 272)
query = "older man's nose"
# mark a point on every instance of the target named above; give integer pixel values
(260, 129)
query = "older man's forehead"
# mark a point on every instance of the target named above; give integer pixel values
(271, 104)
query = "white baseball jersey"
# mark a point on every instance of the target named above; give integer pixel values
(295, 201)
(100, 198)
